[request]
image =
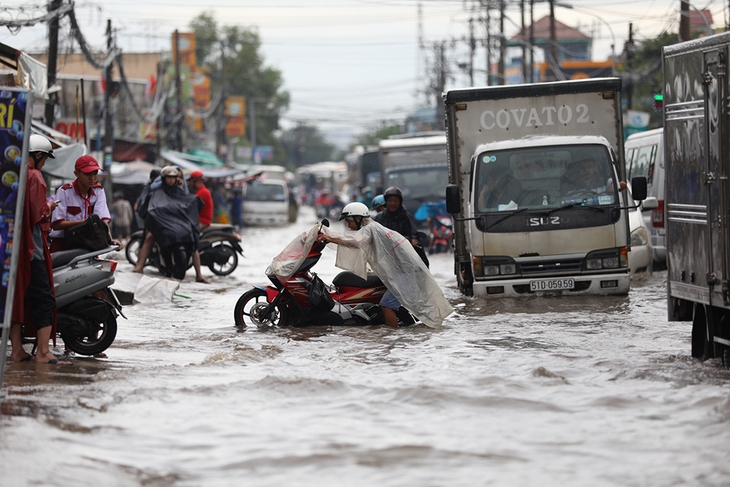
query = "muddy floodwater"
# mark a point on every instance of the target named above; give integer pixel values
(544, 391)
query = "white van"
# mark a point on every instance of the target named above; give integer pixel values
(645, 157)
(266, 203)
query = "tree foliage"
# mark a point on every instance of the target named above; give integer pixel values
(645, 73)
(305, 144)
(237, 67)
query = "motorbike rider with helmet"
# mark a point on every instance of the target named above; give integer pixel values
(377, 205)
(172, 219)
(396, 217)
(396, 263)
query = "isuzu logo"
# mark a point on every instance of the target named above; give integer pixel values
(539, 221)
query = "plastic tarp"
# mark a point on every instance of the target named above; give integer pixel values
(172, 217)
(177, 159)
(153, 291)
(62, 167)
(291, 258)
(392, 257)
(131, 173)
(32, 74)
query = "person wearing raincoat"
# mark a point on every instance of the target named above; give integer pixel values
(396, 263)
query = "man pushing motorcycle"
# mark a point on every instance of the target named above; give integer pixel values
(396, 263)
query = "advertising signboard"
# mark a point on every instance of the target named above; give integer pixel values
(15, 117)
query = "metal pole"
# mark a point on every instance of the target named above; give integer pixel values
(108, 125)
(52, 62)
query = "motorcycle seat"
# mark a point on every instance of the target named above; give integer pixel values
(353, 280)
(63, 257)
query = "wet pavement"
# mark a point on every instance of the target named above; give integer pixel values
(539, 391)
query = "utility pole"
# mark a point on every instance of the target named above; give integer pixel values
(441, 83)
(629, 51)
(522, 37)
(502, 44)
(553, 42)
(489, 48)
(108, 126)
(472, 48)
(532, 41)
(684, 33)
(52, 61)
(178, 95)
(220, 129)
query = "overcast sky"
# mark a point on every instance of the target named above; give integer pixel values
(349, 64)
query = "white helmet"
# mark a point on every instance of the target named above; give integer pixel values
(169, 171)
(38, 143)
(355, 209)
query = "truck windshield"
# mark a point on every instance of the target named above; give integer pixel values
(265, 192)
(544, 178)
(419, 182)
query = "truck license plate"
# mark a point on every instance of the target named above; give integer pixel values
(552, 284)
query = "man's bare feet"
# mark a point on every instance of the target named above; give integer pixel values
(202, 280)
(50, 359)
(20, 357)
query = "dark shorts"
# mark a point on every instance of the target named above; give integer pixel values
(121, 231)
(40, 294)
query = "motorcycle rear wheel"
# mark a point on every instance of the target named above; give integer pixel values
(106, 332)
(229, 266)
(132, 249)
(252, 304)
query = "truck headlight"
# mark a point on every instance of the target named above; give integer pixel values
(606, 259)
(494, 266)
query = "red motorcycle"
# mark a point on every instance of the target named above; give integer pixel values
(304, 300)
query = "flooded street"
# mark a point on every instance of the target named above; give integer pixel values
(537, 391)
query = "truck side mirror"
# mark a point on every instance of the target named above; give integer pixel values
(638, 188)
(453, 199)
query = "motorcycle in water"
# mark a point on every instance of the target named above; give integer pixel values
(304, 300)
(86, 322)
(219, 248)
(442, 234)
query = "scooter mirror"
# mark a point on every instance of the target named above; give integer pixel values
(325, 222)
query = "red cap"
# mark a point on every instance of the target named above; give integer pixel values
(196, 175)
(87, 164)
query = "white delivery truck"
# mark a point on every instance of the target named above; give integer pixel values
(534, 173)
(697, 196)
(415, 163)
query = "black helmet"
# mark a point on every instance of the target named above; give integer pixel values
(393, 191)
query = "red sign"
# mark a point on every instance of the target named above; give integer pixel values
(72, 129)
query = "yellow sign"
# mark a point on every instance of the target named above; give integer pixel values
(236, 127)
(236, 106)
(186, 45)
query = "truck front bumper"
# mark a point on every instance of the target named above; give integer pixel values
(614, 283)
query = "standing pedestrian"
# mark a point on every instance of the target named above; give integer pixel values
(34, 301)
(122, 214)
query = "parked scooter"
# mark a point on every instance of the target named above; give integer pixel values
(86, 322)
(219, 248)
(304, 299)
(442, 234)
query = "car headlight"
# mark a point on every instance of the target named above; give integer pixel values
(639, 237)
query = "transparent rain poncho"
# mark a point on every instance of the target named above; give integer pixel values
(392, 257)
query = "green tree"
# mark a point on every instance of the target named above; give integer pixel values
(305, 144)
(646, 73)
(237, 67)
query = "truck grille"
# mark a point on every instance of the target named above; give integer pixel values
(551, 266)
